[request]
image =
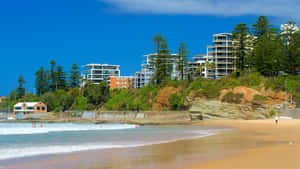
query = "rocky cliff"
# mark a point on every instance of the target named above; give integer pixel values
(216, 110)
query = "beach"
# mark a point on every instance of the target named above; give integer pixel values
(282, 152)
(242, 145)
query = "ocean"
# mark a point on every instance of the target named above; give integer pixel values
(19, 140)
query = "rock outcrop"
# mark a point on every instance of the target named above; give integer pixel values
(216, 110)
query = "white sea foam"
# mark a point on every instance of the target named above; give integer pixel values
(26, 128)
(10, 153)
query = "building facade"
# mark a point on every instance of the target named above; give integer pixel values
(121, 82)
(97, 73)
(222, 55)
(143, 77)
(199, 67)
(23, 108)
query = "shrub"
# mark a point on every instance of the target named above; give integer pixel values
(272, 113)
(230, 97)
(176, 101)
(258, 97)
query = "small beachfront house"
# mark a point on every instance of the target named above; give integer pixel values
(29, 108)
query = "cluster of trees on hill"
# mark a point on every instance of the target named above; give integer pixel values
(260, 48)
(265, 49)
(59, 90)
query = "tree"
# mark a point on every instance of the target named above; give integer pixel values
(262, 59)
(53, 76)
(182, 59)
(160, 64)
(262, 56)
(74, 78)
(41, 81)
(295, 47)
(263, 26)
(20, 88)
(61, 78)
(80, 103)
(97, 94)
(291, 47)
(277, 55)
(241, 34)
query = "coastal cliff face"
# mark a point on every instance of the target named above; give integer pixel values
(217, 110)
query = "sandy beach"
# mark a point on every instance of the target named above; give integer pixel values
(255, 144)
(282, 153)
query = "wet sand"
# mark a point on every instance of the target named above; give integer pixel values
(284, 154)
(252, 144)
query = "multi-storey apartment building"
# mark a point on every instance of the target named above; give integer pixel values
(222, 55)
(121, 82)
(97, 73)
(143, 77)
(201, 61)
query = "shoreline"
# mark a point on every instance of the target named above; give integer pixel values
(94, 155)
(251, 144)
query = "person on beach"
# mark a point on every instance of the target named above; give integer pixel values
(276, 119)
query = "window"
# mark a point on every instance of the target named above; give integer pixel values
(38, 107)
(43, 108)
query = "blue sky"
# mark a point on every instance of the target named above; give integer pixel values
(33, 32)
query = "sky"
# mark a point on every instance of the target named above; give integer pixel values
(34, 32)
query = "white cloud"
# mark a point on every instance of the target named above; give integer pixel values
(277, 8)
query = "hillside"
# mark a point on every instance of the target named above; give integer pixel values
(251, 89)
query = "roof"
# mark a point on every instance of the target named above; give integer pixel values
(28, 104)
(96, 64)
(222, 34)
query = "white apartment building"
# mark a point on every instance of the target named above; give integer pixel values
(143, 77)
(222, 55)
(97, 73)
(197, 61)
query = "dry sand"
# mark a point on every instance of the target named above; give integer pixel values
(282, 153)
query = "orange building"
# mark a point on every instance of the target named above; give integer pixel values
(30, 107)
(120, 82)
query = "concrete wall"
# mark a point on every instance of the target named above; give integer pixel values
(143, 115)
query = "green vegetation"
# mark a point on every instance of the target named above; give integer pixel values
(230, 97)
(272, 113)
(177, 101)
(260, 98)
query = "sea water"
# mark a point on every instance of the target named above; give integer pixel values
(23, 139)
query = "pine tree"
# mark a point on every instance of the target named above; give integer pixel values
(263, 26)
(291, 46)
(20, 88)
(61, 78)
(278, 55)
(182, 60)
(74, 78)
(41, 81)
(160, 64)
(53, 78)
(262, 56)
(241, 35)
